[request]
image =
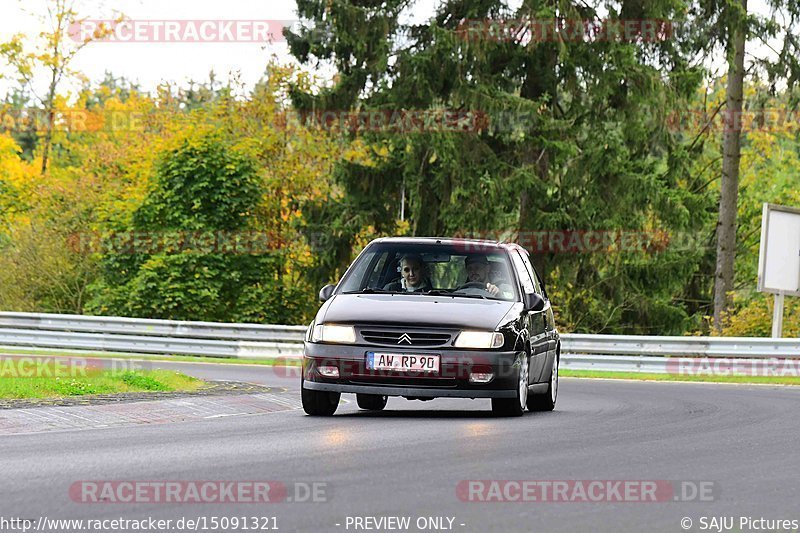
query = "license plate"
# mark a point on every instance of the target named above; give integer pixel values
(404, 362)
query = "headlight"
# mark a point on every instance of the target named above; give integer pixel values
(479, 339)
(333, 333)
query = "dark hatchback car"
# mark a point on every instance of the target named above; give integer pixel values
(424, 318)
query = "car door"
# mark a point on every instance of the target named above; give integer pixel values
(547, 316)
(535, 321)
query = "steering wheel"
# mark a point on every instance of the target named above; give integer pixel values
(473, 285)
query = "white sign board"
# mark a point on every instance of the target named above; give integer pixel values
(779, 256)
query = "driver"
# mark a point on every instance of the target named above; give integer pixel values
(478, 269)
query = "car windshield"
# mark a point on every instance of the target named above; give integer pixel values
(458, 270)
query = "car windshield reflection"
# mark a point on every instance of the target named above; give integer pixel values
(432, 270)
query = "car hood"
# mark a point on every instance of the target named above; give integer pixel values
(415, 310)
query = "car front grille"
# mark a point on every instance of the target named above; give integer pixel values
(400, 337)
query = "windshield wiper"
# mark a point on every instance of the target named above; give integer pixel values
(370, 290)
(481, 296)
(441, 292)
(432, 292)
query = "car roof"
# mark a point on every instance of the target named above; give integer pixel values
(451, 240)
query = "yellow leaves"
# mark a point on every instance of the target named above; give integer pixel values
(288, 215)
(749, 91)
(763, 143)
(18, 175)
(363, 238)
(384, 150)
(8, 146)
(402, 227)
(114, 148)
(360, 153)
(765, 155)
(13, 51)
(755, 318)
(357, 152)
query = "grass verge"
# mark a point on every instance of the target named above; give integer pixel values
(769, 380)
(100, 382)
(269, 361)
(282, 361)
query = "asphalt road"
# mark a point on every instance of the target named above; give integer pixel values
(409, 460)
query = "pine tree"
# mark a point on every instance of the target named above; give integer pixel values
(575, 139)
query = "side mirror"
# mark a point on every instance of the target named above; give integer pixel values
(532, 302)
(326, 292)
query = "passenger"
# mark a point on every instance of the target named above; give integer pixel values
(414, 274)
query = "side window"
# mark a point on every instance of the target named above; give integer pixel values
(523, 274)
(532, 274)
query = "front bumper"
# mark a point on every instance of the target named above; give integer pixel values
(451, 381)
(408, 392)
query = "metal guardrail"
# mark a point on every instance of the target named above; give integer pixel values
(77, 333)
(151, 327)
(680, 346)
(682, 366)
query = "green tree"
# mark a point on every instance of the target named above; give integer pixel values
(734, 30)
(576, 140)
(206, 188)
(54, 52)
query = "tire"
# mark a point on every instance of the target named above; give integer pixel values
(546, 401)
(371, 402)
(320, 403)
(515, 406)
